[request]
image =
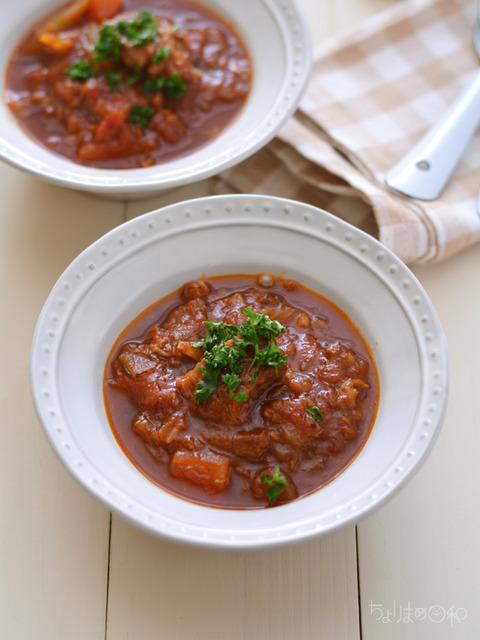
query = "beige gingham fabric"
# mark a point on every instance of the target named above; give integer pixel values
(374, 92)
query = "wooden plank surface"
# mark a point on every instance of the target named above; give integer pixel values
(420, 555)
(181, 592)
(53, 537)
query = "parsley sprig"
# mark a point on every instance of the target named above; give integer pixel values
(172, 86)
(226, 345)
(81, 70)
(140, 31)
(315, 412)
(108, 46)
(276, 484)
(141, 115)
(161, 55)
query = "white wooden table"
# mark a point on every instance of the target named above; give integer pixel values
(69, 570)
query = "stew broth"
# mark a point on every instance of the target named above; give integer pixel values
(299, 425)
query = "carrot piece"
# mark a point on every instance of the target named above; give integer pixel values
(205, 468)
(100, 10)
(66, 19)
(54, 43)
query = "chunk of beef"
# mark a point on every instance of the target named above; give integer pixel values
(348, 393)
(338, 363)
(247, 444)
(196, 289)
(294, 424)
(145, 378)
(260, 488)
(136, 359)
(168, 124)
(185, 324)
(137, 57)
(221, 408)
(160, 432)
(229, 309)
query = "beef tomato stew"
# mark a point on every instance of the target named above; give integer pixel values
(241, 391)
(121, 84)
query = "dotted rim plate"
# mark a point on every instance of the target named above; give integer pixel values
(144, 259)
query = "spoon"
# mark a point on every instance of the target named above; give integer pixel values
(426, 169)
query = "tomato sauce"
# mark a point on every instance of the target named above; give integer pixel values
(149, 84)
(285, 431)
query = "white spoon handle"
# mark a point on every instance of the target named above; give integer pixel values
(425, 170)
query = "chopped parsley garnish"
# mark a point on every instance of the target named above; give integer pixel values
(109, 45)
(233, 381)
(81, 70)
(113, 38)
(140, 115)
(113, 79)
(161, 55)
(174, 87)
(315, 412)
(152, 85)
(226, 345)
(137, 74)
(139, 31)
(276, 484)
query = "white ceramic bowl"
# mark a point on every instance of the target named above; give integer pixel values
(141, 261)
(278, 40)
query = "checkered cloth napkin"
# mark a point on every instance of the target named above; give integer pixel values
(374, 92)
